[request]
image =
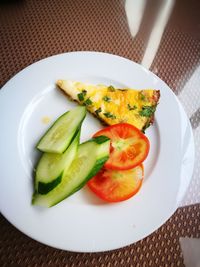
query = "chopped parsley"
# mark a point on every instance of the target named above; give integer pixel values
(82, 95)
(131, 107)
(142, 96)
(106, 98)
(109, 115)
(111, 88)
(88, 102)
(97, 111)
(147, 111)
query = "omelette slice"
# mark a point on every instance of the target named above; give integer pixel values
(112, 105)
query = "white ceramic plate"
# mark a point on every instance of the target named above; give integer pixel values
(83, 223)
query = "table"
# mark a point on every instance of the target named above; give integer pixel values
(164, 37)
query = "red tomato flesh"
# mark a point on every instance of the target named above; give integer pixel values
(115, 186)
(129, 146)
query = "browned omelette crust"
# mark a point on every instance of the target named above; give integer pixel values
(124, 97)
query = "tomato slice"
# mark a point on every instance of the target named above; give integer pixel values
(129, 146)
(115, 186)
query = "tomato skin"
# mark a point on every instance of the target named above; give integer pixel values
(116, 186)
(129, 146)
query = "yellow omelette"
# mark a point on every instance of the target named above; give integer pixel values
(113, 105)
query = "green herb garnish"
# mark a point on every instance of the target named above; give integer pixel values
(147, 111)
(88, 102)
(97, 111)
(111, 88)
(142, 96)
(106, 98)
(109, 115)
(82, 95)
(131, 107)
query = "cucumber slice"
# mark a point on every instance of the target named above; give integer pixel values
(60, 134)
(51, 166)
(89, 159)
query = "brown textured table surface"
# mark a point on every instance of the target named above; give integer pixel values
(32, 30)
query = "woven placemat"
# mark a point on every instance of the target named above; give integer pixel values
(159, 249)
(32, 30)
